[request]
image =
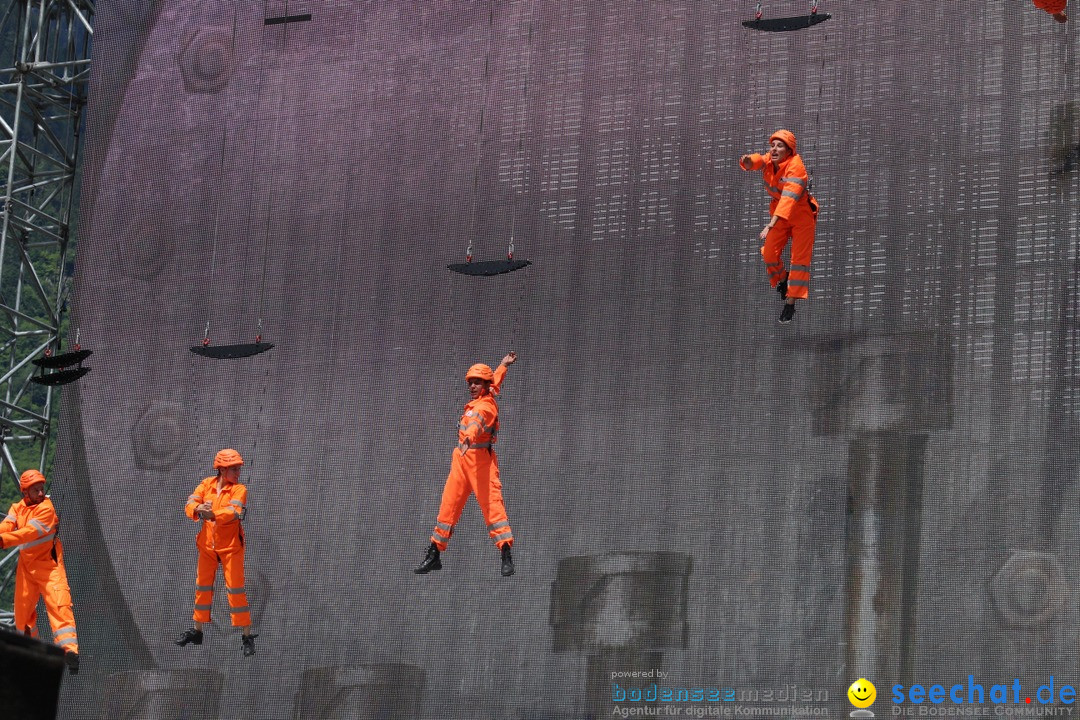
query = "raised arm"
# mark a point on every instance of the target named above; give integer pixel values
(500, 372)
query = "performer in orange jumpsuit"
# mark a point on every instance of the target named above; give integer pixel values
(220, 503)
(793, 214)
(32, 524)
(474, 469)
(1054, 7)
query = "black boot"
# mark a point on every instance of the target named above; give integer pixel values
(507, 561)
(249, 644)
(781, 287)
(787, 313)
(72, 660)
(191, 635)
(431, 561)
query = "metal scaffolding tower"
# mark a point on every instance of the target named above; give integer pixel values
(44, 68)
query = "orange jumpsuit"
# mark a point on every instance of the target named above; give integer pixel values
(40, 572)
(220, 541)
(476, 471)
(796, 211)
(1054, 7)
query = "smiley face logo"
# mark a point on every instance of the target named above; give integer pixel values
(862, 693)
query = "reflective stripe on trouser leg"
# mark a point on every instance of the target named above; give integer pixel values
(66, 637)
(232, 563)
(57, 597)
(455, 493)
(771, 250)
(802, 250)
(441, 535)
(489, 497)
(204, 585)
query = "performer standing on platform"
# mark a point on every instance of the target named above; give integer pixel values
(474, 469)
(33, 526)
(793, 214)
(220, 503)
(1054, 7)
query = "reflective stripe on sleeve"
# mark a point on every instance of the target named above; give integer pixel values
(41, 527)
(40, 540)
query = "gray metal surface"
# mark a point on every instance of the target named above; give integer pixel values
(319, 176)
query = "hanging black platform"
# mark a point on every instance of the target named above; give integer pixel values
(60, 377)
(787, 24)
(231, 352)
(488, 267)
(63, 360)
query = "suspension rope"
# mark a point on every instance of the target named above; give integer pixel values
(525, 177)
(266, 229)
(217, 210)
(480, 133)
(521, 141)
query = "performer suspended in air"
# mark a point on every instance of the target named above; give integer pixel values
(220, 503)
(33, 526)
(474, 469)
(792, 214)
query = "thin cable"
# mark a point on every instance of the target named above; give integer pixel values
(480, 133)
(72, 153)
(524, 173)
(217, 209)
(266, 228)
(251, 197)
(521, 140)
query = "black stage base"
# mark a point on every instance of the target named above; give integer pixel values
(30, 674)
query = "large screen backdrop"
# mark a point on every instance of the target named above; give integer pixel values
(885, 488)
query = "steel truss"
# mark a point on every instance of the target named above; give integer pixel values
(44, 69)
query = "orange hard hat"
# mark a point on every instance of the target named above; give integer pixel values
(30, 478)
(227, 458)
(480, 371)
(787, 137)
